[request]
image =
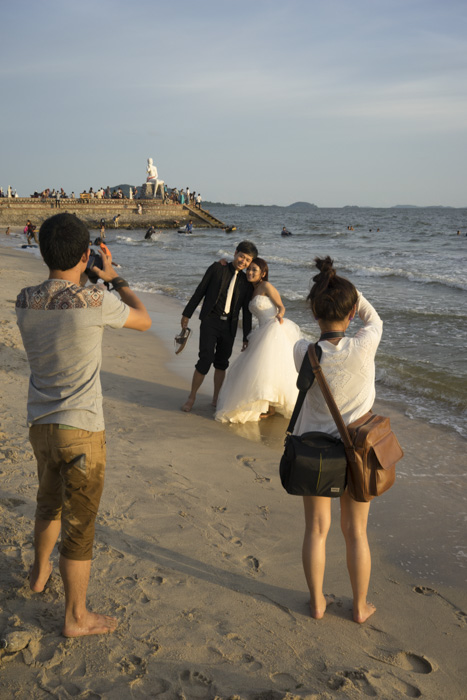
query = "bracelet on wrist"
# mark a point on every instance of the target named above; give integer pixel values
(118, 283)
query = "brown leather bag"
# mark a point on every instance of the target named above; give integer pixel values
(371, 447)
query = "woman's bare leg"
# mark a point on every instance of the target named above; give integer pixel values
(317, 524)
(354, 520)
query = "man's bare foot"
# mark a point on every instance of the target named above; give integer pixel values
(214, 402)
(317, 611)
(38, 580)
(90, 623)
(188, 405)
(270, 413)
(362, 615)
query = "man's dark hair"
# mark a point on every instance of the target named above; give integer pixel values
(248, 248)
(63, 239)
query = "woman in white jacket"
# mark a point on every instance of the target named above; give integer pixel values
(349, 367)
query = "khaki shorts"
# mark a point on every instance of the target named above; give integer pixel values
(70, 467)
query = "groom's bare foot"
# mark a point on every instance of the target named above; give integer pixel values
(188, 405)
(89, 623)
(37, 579)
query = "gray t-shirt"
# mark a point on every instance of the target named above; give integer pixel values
(62, 325)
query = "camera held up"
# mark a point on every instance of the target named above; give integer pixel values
(95, 260)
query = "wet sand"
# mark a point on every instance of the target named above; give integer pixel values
(198, 548)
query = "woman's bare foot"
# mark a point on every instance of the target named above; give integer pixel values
(317, 611)
(90, 623)
(188, 405)
(362, 615)
(270, 413)
(38, 580)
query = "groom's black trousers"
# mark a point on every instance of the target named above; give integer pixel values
(215, 344)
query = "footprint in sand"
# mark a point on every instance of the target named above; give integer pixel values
(406, 660)
(424, 590)
(158, 686)
(11, 455)
(226, 533)
(253, 665)
(285, 681)
(410, 691)
(372, 684)
(352, 680)
(133, 666)
(11, 502)
(197, 684)
(111, 552)
(252, 563)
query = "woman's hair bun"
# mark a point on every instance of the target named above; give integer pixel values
(332, 297)
(325, 267)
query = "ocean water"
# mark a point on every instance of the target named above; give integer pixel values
(413, 270)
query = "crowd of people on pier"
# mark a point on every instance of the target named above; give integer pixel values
(172, 195)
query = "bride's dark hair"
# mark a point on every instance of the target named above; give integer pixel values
(331, 297)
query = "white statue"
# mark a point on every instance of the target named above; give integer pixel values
(151, 171)
(153, 178)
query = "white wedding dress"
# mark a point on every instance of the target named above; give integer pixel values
(264, 374)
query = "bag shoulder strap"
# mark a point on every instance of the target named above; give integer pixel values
(329, 398)
(305, 379)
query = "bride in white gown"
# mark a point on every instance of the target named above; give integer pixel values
(262, 380)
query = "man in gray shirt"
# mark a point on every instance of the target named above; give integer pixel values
(61, 323)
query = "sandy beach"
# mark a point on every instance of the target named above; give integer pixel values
(198, 548)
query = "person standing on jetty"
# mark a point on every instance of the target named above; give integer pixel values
(61, 323)
(225, 290)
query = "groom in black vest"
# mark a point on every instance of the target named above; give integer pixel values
(225, 290)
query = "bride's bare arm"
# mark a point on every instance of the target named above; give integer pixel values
(275, 297)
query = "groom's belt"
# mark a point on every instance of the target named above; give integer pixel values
(220, 317)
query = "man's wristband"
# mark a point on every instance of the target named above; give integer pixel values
(118, 283)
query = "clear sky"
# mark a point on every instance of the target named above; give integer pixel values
(334, 102)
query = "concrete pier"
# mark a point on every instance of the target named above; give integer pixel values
(16, 211)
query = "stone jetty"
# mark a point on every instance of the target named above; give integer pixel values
(134, 213)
